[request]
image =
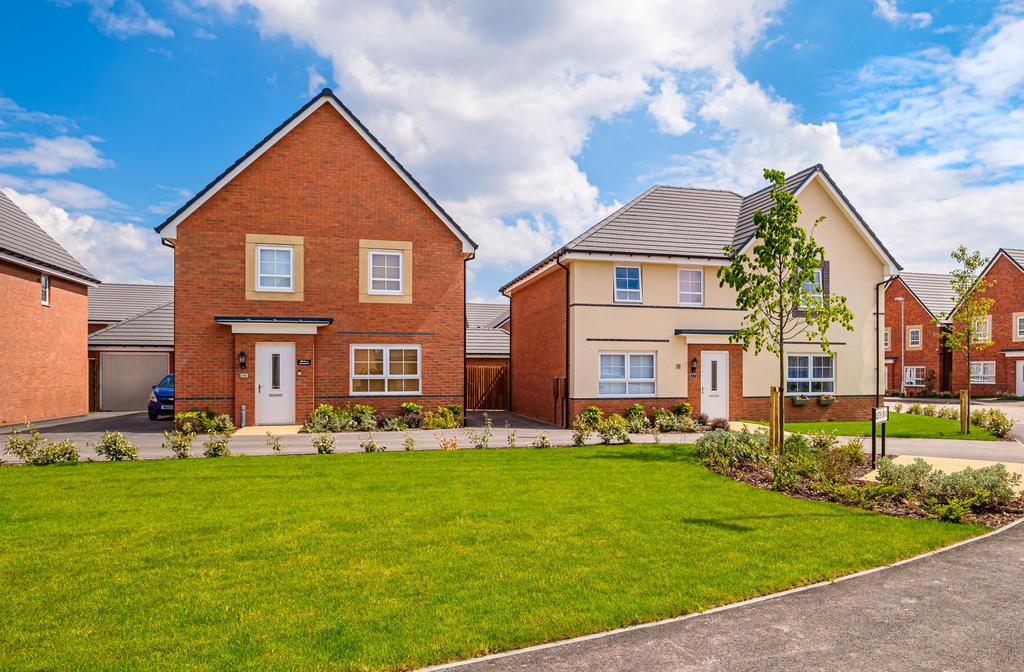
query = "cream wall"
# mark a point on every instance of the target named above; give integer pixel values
(854, 270)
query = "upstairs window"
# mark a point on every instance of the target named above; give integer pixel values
(814, 289)
(627, 284)
(982, 329)
(385, 272)
(691, 287)
(914, 337)
(1019, 324)
(887, 338)
(44, 288)
(274, 268)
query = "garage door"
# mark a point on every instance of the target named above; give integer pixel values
(127, 378)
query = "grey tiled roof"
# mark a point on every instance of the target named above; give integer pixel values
(113, 302)
(482, 335)
(154, 327)
(22, 238)
(1016, 255)
(685, 222)
(932, 289)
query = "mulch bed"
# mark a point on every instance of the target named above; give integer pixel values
(761, 477)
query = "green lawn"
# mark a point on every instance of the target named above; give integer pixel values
(393, 560)
(901, 426)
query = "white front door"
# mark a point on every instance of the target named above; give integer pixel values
(1020, 378)
(275, 383)
(714, 384)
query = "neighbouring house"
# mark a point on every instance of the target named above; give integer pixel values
(131, 343)
(998, 368)
(316, 269)
(487, 356)
(916, 304)
(632, 311)
(43, 330)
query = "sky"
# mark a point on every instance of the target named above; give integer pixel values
(528, 120)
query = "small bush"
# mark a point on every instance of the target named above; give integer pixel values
(948, 413)
(702, 419)
(997, 423)
(394, 425)
(784, 476)
(915, 409)
(364, 417)
(114, 447)
(581, 431)
(989, 486)
(409, 443)
(683, 409)
(481, 438)
(636, 419)
(274, 443)
(862, 496)
(370, 445)
(23, 447)
(178, 442)
(908, 479)
(190, 422)
(411, 408)
(928, 411)
(897, 407)
(324, 443)
(447, 442)
(443, 418)
(321, 419)
(589, 417)
(839, 462)
(512, 437)
(542, 441)
(720, 450)
(613, 428)
(222, 424)
(217, 445)
(719, 423)
(665, 421)
(954, 510)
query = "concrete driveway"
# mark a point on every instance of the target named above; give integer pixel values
(950, 611)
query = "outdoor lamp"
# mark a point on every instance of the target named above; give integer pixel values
(241, 359)
(693, 365)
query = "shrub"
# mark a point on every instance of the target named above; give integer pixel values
(701, 418)
(613, 428)
(324, 443)
(928, 411)
(409, 443)
(321, 419)
(636, 419)
(687, 425)
(364, 417)
(581, 431)
(442, 418)
(447, 442)
(222, 424)
(719, 423)
(954, 510)
(838, 463)
(217, 445)
(862, 496)
(683, 409)
(665, 421)
(784, 476)
(978, 416)
(914, 409)
(37, 451)
(908, 479)
(636, 412)
(394, 425)
(542, 441)
(589, 417)
(370, 445)
(190, 422)
(481, 438)
(512, 437)
(989, 486)
(998, 423)
(718, 449)
(114, 447)
(23, 447)
(948, 413)
(898, 407)
(411, 408)
(274, 443)
(656, 434)
(178, 442)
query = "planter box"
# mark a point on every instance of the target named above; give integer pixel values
(797, 401)
(822, 401)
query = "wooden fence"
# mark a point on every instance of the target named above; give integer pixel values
(487, 387)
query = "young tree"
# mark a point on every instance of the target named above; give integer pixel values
(966, 330)
(777, 284)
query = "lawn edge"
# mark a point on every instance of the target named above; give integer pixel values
(714, 610)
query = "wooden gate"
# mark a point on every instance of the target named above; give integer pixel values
(487, 386)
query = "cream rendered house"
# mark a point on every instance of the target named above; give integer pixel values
(632, 311)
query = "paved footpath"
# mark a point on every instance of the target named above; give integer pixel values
(955, 610)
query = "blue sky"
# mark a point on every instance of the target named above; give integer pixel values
(528, 121)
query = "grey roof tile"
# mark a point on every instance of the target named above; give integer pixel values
(482, 335)
(21, 237)
(932, 289)
(480, 315)
(1016, 255)
(113, 302)
(762, 200)
(152, 328)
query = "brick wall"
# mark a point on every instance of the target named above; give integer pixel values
(929, 355)
(324, 183)
(44, 368)
(538, 346)
(1007, 291)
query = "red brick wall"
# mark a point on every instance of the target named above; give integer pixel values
(1007, 291)
(842, 409)
(538, 346)
(620, 405)
(930, 354)
(44, 367)
(322, 182)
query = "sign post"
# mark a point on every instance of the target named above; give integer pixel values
(879, 416)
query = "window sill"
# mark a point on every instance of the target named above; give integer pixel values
(386, 394)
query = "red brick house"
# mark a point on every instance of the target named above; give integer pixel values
(913, 342)
(316, 269)
(43, 362)
(998, 368)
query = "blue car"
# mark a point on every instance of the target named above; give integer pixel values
(161, 400)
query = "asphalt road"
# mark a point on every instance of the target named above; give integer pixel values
(955, 610)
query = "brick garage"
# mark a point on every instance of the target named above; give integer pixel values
(323, 181)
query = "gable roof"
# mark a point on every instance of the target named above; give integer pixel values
(325, 97)
(932, 290)
(481, 315)
(1016, 257)
(694, 223)
(483, 337)
(151, 328)
(114, 302)
(26, 243)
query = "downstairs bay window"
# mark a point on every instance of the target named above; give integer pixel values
(385, 369)
(627, 374)
(810, 374)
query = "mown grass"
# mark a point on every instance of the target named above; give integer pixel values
(900, 426)
(394, 560)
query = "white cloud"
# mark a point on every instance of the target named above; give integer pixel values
(888, 10)
(113, 251)
(56, 155)
(124, 18)
(65, 193)
(179, 195)
(11, 113)
(669, 109)
(314, 81)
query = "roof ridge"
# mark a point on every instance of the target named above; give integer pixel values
(134, 284)
(678, 186)
(132, 318)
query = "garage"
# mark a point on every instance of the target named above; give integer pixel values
(127, 378)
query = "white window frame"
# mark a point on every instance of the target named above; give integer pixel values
(810, 379)
(910, 337)
(981, 378)
(386, 375)
(1019, 326)
(679, 291)
(260, 287)
(819, 282)
(887, 338)
(627, 379)
(911, 379)
(44, 289)
(401, 272)
(985, 333)
(639, 289)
